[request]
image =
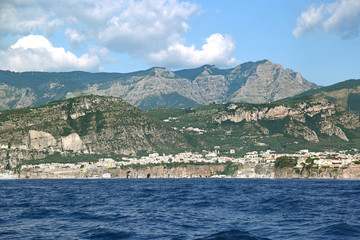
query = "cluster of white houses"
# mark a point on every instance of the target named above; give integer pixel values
(334, 159)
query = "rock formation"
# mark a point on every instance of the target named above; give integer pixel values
(297, 115)
(73, 143)
(39, 140)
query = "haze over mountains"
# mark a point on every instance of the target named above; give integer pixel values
(252, 82)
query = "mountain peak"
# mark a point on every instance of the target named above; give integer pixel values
(158, 72)
(264, 61)
(208, 66)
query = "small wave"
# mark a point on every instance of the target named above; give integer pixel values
(19, 205)
(8, 232)
(104, 233)
(232, 234)
(39, 213)
(188, 226)
(90, 216)
(201, 204)
(340, 230)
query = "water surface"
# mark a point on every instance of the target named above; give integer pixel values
(179, 209)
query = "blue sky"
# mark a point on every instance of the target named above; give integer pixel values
(318, 38)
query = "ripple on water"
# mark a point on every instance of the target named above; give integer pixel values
(232, 234)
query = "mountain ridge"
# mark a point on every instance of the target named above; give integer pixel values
(254, 82)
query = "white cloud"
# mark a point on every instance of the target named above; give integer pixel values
(342, 17)
(74, 36)
(36, 53)
(25, 17)
(150, 29)
(309, 21)
(124, 26)
(147, 26)
(217, 50)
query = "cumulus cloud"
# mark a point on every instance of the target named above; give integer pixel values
(217, 50)
(36, 53)
(147, 26)
(137, 27)
(342, 17)
(24, 17)
(150, 29)
(74, 36)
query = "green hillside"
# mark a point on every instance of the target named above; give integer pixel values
(322, 123)
(84, 125)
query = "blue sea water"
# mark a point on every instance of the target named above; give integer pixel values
(179, 209)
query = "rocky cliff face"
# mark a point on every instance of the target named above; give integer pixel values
(352, 171)
(254, 82)
(329, 119)
(250, 170)
(84, 125)
(266, 82)
(189, 171)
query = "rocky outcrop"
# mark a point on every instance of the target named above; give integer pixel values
(331, 117)
(253, 170)
(351, 171)
(39, 140)
(255, 114)
(73, 143)
(331, 129)
(304, 131)
(191, 171)
(238, 113)
(350, 120)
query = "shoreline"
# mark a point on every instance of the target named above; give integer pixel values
(228, 170)
(233, 178)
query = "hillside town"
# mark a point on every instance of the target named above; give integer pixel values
(264, 157)
(327, 159)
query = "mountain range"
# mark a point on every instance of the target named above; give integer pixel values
(251, 82)
(326, 118)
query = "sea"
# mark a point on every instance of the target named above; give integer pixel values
(179, 209)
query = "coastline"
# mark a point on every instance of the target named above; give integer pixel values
(240, 171)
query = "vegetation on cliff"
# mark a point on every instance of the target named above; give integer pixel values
(285, 161)
(230, 169)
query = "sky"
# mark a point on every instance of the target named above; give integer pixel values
(318, 38)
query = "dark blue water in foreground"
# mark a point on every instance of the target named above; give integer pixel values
(179, 209)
